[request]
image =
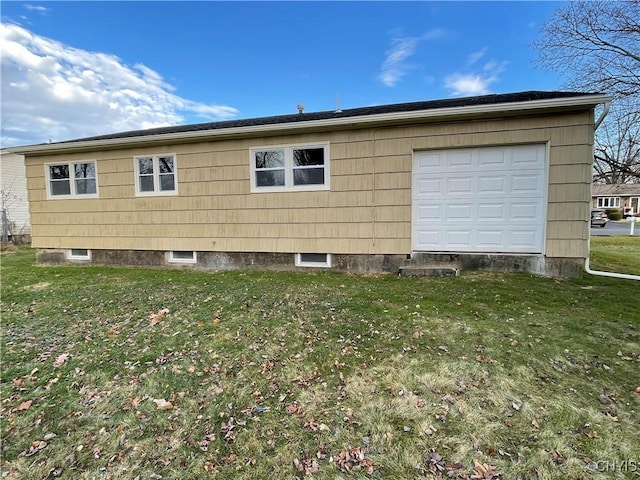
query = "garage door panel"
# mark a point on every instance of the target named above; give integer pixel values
(430, 238)
(529, 184)
(489, 211)
(432, 213)
(459, 212)
(460, 185)
(492, 158)
(528, 156)
(524, 238)
(459, 159)
(526, 211)
(430, 160)
(496, 184)
(480, 199)
(460, 239)
(491, 239)
(430, 186)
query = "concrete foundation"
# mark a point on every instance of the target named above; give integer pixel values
(416, 264)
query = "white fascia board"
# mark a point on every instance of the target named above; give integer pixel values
(587, 100)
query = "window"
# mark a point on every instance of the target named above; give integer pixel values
(313, 260)
(65, 180)
(609, 202)
(79, 254)
(181, 256)
(156, 175)
(298, 167)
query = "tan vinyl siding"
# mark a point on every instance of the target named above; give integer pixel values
(367, 209)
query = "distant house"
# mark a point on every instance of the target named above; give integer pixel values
(624, 197)
(497, 182)
(13, 199)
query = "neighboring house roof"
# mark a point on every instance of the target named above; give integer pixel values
(615, 190)
(509, 103)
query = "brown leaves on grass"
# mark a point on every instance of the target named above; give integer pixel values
(23, 406)
(227, 430)
(155, 318)
(60, 359)
(162, 404)
(435, 466)
(306, 465)
(34, 448)
(483, 471)
(353, 460)
(294, 409)
(483, 359)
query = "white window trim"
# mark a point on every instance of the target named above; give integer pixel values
(326, 264)
(173, 259)
(72, 181)
(71, 256)
(288, 168)
(616, 202)
(156, 176)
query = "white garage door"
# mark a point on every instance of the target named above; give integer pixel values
(480, 199)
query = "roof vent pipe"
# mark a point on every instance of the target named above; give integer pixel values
(300, 108)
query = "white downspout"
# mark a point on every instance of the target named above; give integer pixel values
(586, 261)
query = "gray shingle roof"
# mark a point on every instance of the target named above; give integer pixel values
(346, 113)
(616, 189)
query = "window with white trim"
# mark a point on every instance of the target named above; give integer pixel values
(609, 202)
(156, 175)
(182, 256)
(313, 260)
(78, 254)
(72, 179)
(294, 167)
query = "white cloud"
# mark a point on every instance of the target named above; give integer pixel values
(36, 8)
(476, 56)
(477, 82)
(51, 91)
(395, 65)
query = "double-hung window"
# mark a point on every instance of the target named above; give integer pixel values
(72, 179)
(296, 167)
(156, 175)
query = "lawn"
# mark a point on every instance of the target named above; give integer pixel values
(134, 373)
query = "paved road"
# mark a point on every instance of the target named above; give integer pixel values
(616, 228)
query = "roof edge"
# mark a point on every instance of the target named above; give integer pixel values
(373, 119)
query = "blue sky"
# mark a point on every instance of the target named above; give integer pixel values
(74, 69)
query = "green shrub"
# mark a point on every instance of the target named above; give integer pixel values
(614, 213)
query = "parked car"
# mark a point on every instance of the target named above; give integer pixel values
(599, 218)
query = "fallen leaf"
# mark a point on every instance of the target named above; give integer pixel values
(156, 317)
(591, 434)
(34, 448)
(483, 359)
(483, 471)
(535, 423)
(23, 406)
(60, 359)
(306, 466)
(557, 458)
(163, 404)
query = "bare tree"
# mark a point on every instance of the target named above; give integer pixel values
(596, 44)
(617, 147)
